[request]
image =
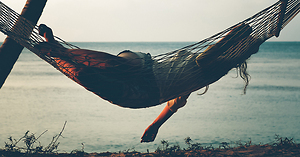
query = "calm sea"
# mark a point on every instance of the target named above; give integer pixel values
(36, 97)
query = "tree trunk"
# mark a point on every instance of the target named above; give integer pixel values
(11, 50)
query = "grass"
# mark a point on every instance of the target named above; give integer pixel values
(29, 146)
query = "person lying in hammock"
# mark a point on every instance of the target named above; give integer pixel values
(126, 79)
(84, 66)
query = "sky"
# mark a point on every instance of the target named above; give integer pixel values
(148, 20)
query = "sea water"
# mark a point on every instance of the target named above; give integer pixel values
(36, 97)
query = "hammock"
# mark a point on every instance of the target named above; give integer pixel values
(162, 77)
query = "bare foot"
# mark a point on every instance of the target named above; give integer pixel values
(149, 134)
(46, 32)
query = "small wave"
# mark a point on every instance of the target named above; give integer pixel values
(274, 88)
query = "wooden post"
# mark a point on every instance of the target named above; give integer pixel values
(281, 16)
(10, 50)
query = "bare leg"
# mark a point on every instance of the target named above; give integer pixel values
(87, 57)
(152, 130)
(172, 106)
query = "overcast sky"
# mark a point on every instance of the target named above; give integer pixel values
(148, 20)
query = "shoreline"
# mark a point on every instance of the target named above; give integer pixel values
(252, 150)
(282, 147)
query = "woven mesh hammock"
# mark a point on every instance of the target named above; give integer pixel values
(162, 77)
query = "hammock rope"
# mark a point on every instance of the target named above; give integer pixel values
(174, 73)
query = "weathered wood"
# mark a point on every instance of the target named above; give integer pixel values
(10, 50)
(281, 16)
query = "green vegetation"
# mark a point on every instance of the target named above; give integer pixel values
(32, 147)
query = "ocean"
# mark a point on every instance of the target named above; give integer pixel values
(36, 97)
